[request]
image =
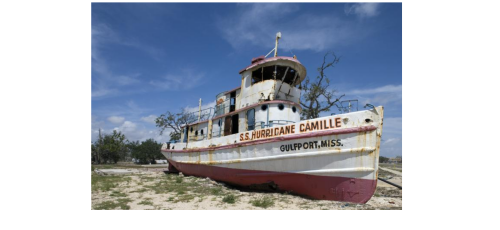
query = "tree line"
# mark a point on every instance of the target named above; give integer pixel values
(114, 147)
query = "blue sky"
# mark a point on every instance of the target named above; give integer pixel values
(149, 58)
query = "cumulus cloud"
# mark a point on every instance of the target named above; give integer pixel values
(127, 127)
(116, 119)
(149, 119)
(257, 24)
(362, 10)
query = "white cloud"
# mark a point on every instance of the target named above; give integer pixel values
(382, 89)
(149, 119)
(392, 128)
(133, 132)
(105, 81)
(185, 80)
(127, 127)
(362, 10)
(257, 24)
(388, 95)
(116, 119)
(391, 140)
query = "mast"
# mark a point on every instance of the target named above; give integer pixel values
(278, 36)
(199, 111)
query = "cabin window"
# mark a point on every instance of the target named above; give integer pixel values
(201, 132)
(191, 129)
(294, 109)
(263, 107)
(196, 133)
(268, 73)
(281, 106)
(232, 101)
(251, 119)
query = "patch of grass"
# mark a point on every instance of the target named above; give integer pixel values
(106, 183)
(230, 199)
(216, 191)
(146, 201)
(178, 180)
(117, 194)
(263, 202)
(185, 198)
(111, 205)
(171, 198)
(139, 190)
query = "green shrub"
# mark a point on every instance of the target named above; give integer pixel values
(231, 199)
(264, 202)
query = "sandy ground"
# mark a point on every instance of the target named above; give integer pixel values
(392, 171)
(141, 190)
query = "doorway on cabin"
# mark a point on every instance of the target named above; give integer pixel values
(227, 126)
(234, 123)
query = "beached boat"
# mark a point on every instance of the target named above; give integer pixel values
(254, 137)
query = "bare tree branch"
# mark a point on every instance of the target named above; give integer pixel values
(315, 93)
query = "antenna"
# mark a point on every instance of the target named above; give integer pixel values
(275, 49)
(278, 36)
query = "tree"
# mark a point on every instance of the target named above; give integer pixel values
(95, 154)
(174, 121)
(315, 93)
(110, 148)
(146, 152)
(382, 159)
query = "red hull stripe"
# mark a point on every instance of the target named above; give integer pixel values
(280, 138)
(317, 187)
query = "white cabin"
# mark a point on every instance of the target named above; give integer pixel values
(269, 96)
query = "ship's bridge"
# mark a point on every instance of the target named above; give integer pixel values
(273, 78)
(270, 79)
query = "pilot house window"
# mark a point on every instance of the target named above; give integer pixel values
(269, 72)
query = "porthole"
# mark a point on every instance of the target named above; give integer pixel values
(202, 132)
(294, 109)
(196, 133)
(263, 107)
(281, 106)
(191, 129)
